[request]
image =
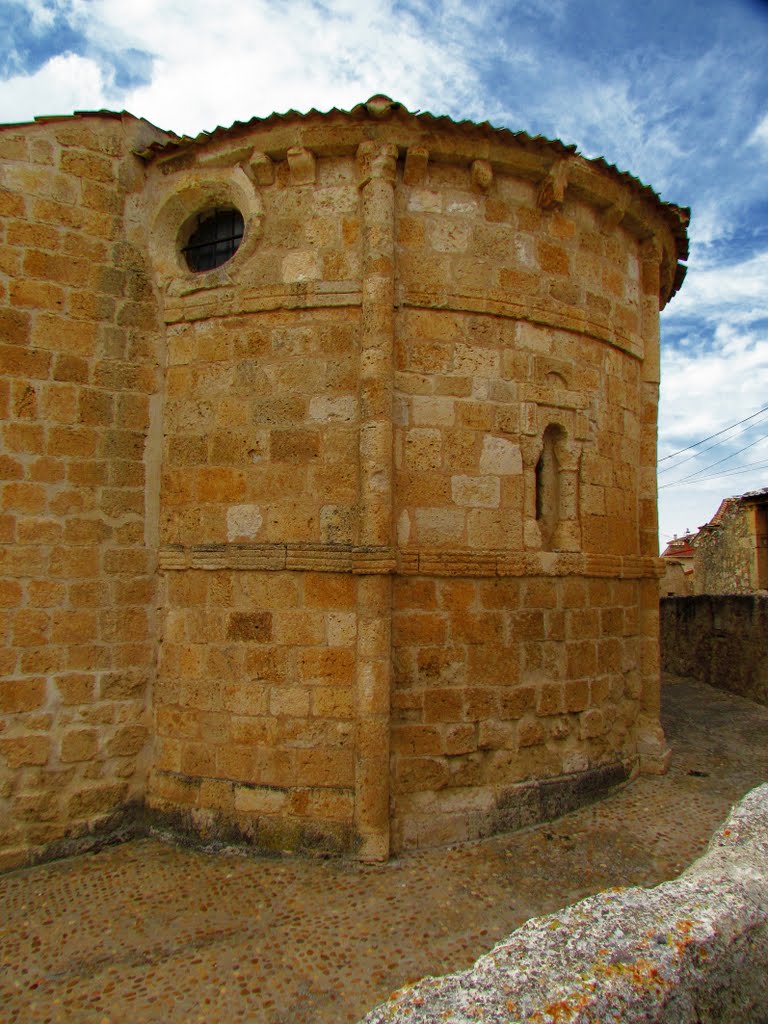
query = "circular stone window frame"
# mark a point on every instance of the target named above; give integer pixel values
(195, 193)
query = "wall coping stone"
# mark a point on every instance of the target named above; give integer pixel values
(690, 951)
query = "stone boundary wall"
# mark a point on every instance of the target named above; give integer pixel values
(718, 639)
(690, 951)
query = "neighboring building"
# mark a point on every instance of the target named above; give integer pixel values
(678, 556)
(731, 551)
(330, 507)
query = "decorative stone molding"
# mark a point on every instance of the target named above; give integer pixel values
(407, 561)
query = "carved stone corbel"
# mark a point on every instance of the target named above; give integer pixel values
(416, 165)
(613, 215)
(552, 189)
(225, 158)
(302, 165)
(260, 169)
(481, 175)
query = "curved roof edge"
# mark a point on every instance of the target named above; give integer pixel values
(379, 108)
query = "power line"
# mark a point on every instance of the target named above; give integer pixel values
(727, 458)
(746, 468)
(670, 469)
(719, 432)
(750, 467)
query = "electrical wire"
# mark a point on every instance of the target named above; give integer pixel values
(670, 469)
(711, 436)
(750, 467)
(674, 483)
(743, 469)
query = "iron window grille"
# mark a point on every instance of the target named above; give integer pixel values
(215, 240)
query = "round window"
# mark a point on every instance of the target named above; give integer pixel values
(215, 238)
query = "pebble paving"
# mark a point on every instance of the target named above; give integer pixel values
(150, 932)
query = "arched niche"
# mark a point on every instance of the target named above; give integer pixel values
(552, 480)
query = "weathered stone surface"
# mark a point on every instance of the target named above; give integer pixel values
(217, 481)
(720, 639)
(691, 951)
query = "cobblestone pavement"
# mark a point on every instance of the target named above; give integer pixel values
(150, 932)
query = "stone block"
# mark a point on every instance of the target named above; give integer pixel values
(98, 799)
(259, 800)
(443, 705)
(330, 666)
(252, 627)
(476, 491)
(292, 701)
(416, 774)
(423, 449)
(79, 745)
(500, 457)
(432, 412)
(127, 741)
(329, 590)
(334, 703)
(440, 526)
(301, 266)
(20, 695)
(334, 768)
(341, 629)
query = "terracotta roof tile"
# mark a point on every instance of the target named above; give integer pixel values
(680, 547)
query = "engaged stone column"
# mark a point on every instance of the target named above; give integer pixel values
(373, 683)
(377, 164)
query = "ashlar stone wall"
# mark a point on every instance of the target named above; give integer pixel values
(394, 463)
(79, 372)
(719, 639)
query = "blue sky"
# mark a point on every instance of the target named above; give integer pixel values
(677, 94)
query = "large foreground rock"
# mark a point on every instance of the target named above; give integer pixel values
(690, 951)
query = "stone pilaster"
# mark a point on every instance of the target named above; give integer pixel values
(377, 163)
(373, 686)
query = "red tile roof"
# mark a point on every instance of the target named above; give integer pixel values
(679, 547)
(727, 504)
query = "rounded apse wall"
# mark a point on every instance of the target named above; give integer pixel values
(408, 499)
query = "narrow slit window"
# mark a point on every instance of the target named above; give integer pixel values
(548, 485)
(215, 239)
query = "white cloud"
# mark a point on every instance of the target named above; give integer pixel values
(211, 69)
(65, 83)
(760, 135)
(735, 291)
(701, 394)
(41, 14)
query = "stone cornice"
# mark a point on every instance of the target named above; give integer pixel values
(366, 561)
(557, 169)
